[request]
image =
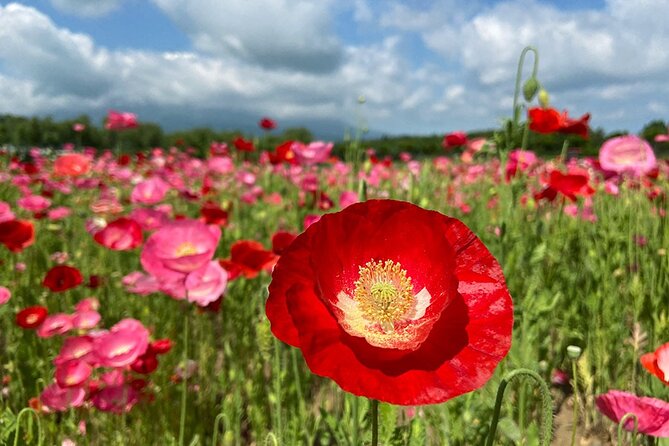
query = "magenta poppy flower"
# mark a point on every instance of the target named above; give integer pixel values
(652, 414)
(179, 248)
(122, 234)
(312, 153)
(116, 399)
(60, 399)
(33, 203)
(120, 120)
(58, 213)
(76, 348)
(123, 344)
(140, 283)
(85, 320)
(55, 324)
(627, 154)
(149, 191)
(73, 373)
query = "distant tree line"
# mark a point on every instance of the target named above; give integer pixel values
(24, 132)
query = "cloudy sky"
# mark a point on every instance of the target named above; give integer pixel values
(424, 66)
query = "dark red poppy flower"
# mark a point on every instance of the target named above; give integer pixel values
(281, 240)
(62, 278)
(454, 139)
(267, 124)
(122, 234)
(243, 145)
(657, 363)
(161, 346)
(393, 302)
(31, 317)
(549, 120)
(248, 258)
(17, 235)
(145, 364)
(213, 214)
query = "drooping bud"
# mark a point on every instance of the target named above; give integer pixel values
(544, 99)
(530, 88)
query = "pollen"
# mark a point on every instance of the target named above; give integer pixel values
(185, 249)
(384, 293)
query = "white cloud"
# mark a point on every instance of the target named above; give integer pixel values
(293, 34)
(87, 8)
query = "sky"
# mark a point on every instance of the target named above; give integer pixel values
(422, 66)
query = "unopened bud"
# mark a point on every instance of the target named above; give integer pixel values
(544, 99)
(530, 88)
(574, 351)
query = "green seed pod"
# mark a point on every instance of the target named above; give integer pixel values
(531, 88)
(574, 351)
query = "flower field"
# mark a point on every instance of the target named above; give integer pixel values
(285, 295)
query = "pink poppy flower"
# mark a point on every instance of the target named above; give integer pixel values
(312, 153)
(77, 348)
(58, 213)
(85, 320)
(88, 304)
(122, 344)
(116, 399)
(72, 373)
(220, 165)
(33, 203)
(310, 220)
(78, 127)
(664, 137)
(149, 191)
(5, 295)
(120, 120)
(149, 219)
(203, 286)
(653, 414)
(60, 399)
(55, 324)
(179, 248)
(6, 213)
(140, 283)
(122, 234)
(627, 154)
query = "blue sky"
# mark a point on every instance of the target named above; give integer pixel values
(428, 66)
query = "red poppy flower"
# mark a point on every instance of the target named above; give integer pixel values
(71, 165)
(17, 235)
(283, 153)
(281, 240)
(549, 120)
(267, 124)
(570, 185)
(161, 346)
(657, 363)
(248, 258)
(122, 234)
(393, 302)
(243, 145)
(31, 317)
(62, 278)
(213, 214)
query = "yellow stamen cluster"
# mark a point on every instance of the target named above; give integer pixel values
(185, 249)
(384, 293)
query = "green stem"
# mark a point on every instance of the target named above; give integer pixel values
(519, 75)
(546, 405)
(184, 384)
(18, 426)
(621, 424)
(375, 422)
(575, 419)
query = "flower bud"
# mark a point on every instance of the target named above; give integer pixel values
(544, 99)
(574, 351)
(530, 88)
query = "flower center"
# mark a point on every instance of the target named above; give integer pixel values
(185, 249)
(384, 293)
